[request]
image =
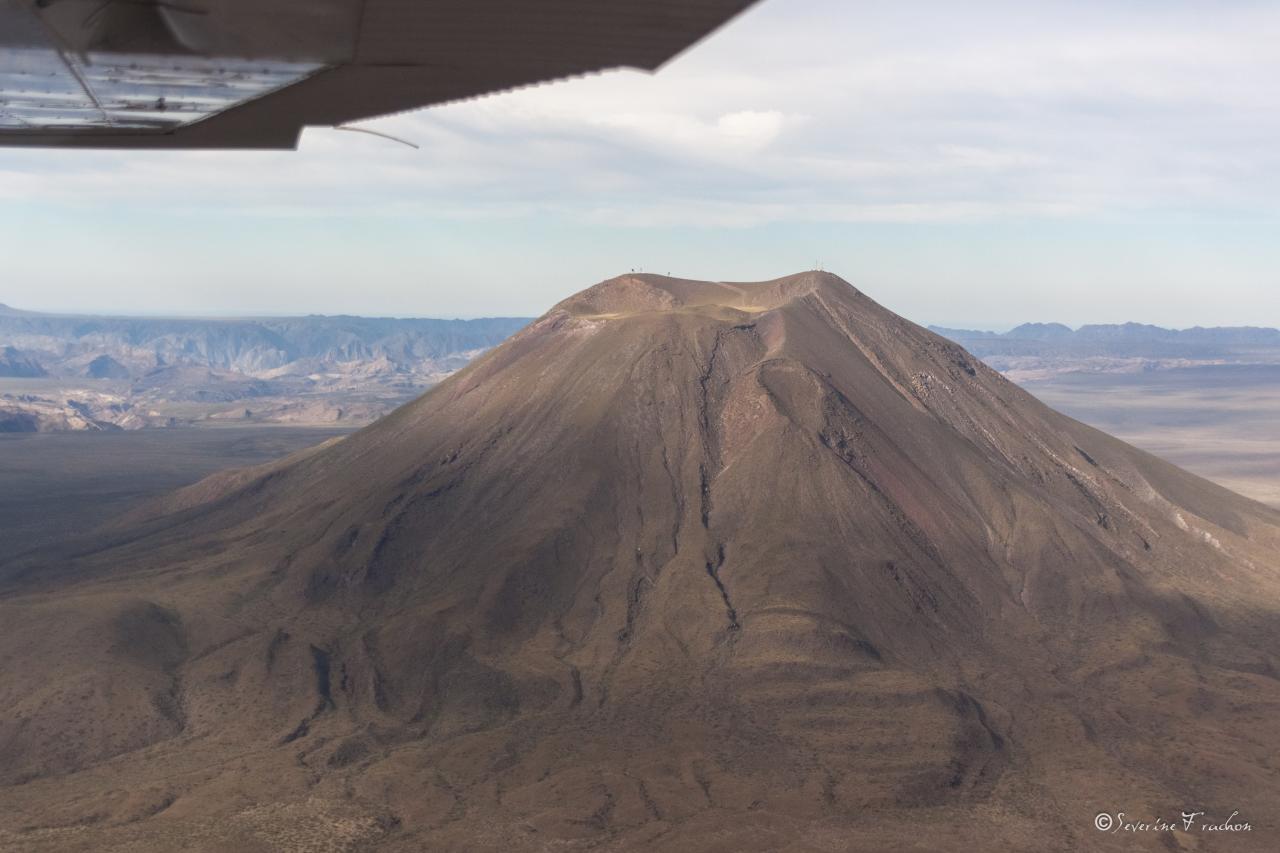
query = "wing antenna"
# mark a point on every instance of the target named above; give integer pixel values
(348, 127)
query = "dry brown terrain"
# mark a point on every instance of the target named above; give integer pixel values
(681, 566)
(1219, 421)
(55, 483)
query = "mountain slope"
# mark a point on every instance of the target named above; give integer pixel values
(681, 565)
(14, 363)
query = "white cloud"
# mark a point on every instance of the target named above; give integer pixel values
(806, 107)
(804, 111)
(752, 128)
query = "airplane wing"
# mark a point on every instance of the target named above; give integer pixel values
(254, 73)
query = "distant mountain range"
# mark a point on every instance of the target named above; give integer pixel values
(128, 372)
(1127, 340)
(94, 372)
(1036, 351)
(96, 347)
(66, 345)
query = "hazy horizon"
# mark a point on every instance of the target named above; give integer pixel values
(229, 316)
(142, 314)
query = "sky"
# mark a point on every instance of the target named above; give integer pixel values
(974, 164)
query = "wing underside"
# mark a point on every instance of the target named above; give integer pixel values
(254, 73)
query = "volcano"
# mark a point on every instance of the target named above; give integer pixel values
(680, 566)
